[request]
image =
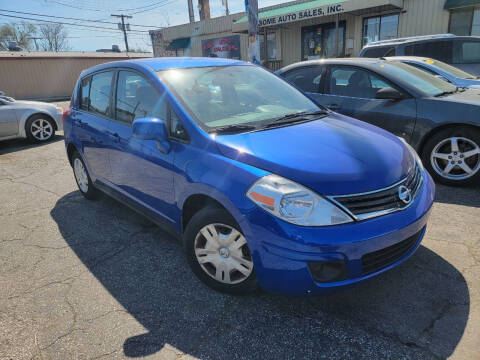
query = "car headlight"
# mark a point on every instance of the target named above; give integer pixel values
(295, 203)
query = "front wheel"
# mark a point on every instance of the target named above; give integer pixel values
(218, 252)
(39, 128)
(452, 156)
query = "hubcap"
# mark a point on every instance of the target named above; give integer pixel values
(223, 253)
(456, 158)
(80, 175)
(41, 129)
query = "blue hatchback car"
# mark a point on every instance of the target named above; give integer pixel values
(264, 187)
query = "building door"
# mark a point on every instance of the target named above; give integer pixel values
(318, 41)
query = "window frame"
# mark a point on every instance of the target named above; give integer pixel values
(106, 116)
(405, 93)
(379, 26)
(472, 14)
(321, 84)
(167, 121)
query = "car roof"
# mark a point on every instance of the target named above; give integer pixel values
(417, 39)
(339, 61)
(166, 63)
(406, 58)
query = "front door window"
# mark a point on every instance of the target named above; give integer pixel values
(319, 41)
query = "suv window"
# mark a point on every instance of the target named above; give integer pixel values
(306, 78)
(440, 50)
(354, 82)
(137, 98)
(466, 52)
(100, 93)
(379, 51)
(84, 93)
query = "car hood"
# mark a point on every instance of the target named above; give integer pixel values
(333, 155)
(470, 96)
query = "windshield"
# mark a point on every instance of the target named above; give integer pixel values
(417, 78)
(234, 95)
(450, 69)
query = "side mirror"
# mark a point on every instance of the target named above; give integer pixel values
(150, 128)
(389, 93)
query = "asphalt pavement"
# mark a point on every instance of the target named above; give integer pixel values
(90, 280)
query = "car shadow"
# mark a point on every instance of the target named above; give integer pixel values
(14, 145)
(417, 310)
(467, 196)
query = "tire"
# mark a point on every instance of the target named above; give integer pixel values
(450, 167)
(39, 128)
(84, 182)
(225, 258)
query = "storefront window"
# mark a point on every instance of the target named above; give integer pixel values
(271, 46)
(465, 22)
(380, 28)
(319, 41)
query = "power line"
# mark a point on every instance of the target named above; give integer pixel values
(65, 23)
(71, 18)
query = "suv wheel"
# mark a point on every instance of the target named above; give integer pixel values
(452, 156)
(218, 252)
(82, 178)
(39, 128)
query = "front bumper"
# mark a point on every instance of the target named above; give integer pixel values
(282, 251)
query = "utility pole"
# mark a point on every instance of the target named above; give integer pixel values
(225, 3)
(123, 27)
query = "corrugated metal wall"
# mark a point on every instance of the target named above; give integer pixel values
(423, 17)
(44, 77)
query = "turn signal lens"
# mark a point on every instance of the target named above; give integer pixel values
(65, 114)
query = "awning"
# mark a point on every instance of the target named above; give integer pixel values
(182, 43)
(312, 9)
(452, 4)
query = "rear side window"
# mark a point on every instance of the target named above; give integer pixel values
(137, 98)
(379, 51)
(306, 78)
(440, 50)
(466, 52)
(100, 89)
(84, 95)
(355, 82)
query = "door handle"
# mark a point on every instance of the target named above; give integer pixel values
(116, 137)
(333, 106)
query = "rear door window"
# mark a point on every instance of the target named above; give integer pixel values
(440, 50)
(100, 90)
(306, 78)
(466, 52)
(355, 82)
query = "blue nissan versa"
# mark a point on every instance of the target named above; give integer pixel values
(264, 187)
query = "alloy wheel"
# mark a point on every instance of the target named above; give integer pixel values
(223, 253)
(456, 158)
(41, 129)
(80, 175)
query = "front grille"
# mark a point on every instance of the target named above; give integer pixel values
(380, 202)
(380, 259)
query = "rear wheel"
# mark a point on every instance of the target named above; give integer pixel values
(82, 178)
(452, 156)
(218, 252)
(39, 128)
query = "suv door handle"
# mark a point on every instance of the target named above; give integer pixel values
(333, 106)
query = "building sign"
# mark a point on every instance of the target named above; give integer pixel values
(302, 15)
(223, 47)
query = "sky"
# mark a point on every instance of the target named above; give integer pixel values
(148, 13)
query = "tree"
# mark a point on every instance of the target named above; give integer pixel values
(21, 33)
(54, 37)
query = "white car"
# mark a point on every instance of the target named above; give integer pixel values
(36, 121)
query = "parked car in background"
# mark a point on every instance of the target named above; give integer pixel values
(462, 52)
(441, 121)
(36, 121)
(262, 185)
(441, 70)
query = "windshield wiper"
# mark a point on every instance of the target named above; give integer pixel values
(301, 115)
(232, 129)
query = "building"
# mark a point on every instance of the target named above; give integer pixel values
(306, 29)
(43, 75)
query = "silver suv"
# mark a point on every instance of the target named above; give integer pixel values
(460, 51)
